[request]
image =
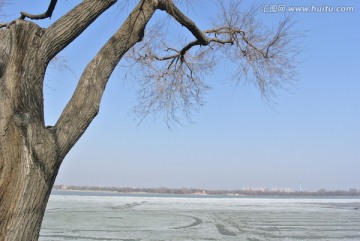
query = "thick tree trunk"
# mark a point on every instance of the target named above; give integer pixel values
(25, 186)
(28, 153)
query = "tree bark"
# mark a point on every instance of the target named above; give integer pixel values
(28, 153)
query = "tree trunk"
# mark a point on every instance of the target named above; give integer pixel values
(28, 153)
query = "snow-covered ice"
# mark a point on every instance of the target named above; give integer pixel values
(130, 218)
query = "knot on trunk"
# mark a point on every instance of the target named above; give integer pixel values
(22, 119)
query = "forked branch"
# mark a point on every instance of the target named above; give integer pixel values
(172, 77)
(229, 36)
(171, 9)
(47, 14)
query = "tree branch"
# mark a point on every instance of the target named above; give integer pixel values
(172, 78)
(170, 8)
(71, 25)
(85, 102)
(47, 14)
(181, 53)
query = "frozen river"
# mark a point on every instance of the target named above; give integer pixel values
(135, 218)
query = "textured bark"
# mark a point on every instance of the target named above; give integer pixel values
(28, 152)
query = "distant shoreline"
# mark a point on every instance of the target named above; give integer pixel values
(204, 192)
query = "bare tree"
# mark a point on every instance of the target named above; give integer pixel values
(171, 80)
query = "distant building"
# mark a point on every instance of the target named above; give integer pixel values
(259, 190)
(200, 193)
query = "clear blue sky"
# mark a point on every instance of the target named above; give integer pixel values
(309, 134)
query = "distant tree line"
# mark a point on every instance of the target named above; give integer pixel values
(197, 191)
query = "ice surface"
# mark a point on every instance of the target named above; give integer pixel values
(70, 217)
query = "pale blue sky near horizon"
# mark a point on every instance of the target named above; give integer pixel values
(308, 134)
